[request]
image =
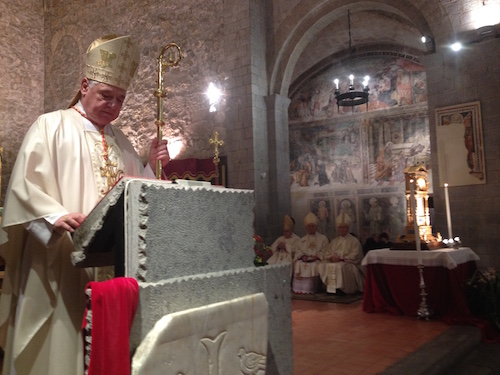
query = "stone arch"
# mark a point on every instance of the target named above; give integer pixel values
(63, 84)
(300, 28)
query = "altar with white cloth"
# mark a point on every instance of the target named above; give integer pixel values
(392, 281)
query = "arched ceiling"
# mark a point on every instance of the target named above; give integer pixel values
(321, 38)
(368, 28)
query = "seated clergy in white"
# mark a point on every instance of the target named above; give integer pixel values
(284, 246)
(308, 254)
(340, 269)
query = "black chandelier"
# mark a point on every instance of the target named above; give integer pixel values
(352, 97)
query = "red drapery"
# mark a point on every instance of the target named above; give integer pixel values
(396, 289)
(113, 306)
(194, 169)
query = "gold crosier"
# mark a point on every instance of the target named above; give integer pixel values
(174, 56)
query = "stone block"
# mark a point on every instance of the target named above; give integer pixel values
(167, 230)
(228, 337)
(173, 295)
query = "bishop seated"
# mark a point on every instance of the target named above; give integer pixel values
(340, 269)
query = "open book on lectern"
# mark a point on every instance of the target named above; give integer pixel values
(99, 241)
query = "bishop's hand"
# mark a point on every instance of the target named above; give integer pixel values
(158, 151)
(69, 222)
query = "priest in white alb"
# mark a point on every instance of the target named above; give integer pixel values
(340, 270)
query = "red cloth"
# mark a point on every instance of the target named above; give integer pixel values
(113, 305)
(396, 289)
(191, 169)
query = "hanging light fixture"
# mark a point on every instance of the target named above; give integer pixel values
(352, 97)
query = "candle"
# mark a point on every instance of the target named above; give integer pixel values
(351, 79)
(448, 214)
(415, 225)
(336, 81)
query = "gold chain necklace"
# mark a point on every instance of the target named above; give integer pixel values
(110, 169)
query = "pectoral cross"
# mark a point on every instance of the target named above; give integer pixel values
(216, 142)
(112, 174)
(110, 169)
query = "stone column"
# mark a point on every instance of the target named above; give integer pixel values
(279, 161)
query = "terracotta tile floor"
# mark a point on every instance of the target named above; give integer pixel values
(338, 339)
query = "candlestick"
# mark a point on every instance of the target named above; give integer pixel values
(415, 225)
(448, 214)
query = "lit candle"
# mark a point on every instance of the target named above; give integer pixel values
(351, 79)
(365, 82)
(336, 81)
(415, 225)
(448, 214)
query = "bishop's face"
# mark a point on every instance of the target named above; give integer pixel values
(311, 229)
(102, 102)
(343, 230)
(287, 233)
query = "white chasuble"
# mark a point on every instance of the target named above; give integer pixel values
(309, 245)
(42, 300)
(346, 274)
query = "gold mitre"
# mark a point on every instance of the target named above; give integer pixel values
(288, 223)
(311, 219)
(111, 59)
(343, 219)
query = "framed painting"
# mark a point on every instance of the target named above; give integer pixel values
(460, 148)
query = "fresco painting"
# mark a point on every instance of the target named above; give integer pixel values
(355, 159)
(322, 209)
(384, 213)
(393, 83)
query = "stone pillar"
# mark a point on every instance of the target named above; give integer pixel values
(279, 162)
(247, 146)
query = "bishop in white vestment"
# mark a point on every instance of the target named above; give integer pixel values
(67, 162)
(340, 269)
(309, 252)
(284, 247)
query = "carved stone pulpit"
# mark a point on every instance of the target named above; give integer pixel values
(189, 247)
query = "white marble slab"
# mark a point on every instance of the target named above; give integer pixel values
(222, 338)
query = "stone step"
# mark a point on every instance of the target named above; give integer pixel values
(441, 355)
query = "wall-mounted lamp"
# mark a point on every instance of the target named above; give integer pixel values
(486, 32)
(457, 46)
(428, 42)
(213, 94)
(476, 36)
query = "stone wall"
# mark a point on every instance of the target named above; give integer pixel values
(455, 78)
(21, 76)
(153, 25)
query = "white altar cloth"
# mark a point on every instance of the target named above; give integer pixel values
(448, 258)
